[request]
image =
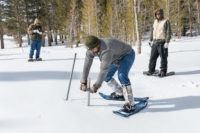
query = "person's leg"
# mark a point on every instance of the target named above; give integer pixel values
(163, 52)
(116, 87)
(112, 83)
(153, 58)
(38, 48)
(111, 72)
(32, 48)
(124, 67)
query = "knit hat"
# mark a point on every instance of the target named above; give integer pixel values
(91, 41)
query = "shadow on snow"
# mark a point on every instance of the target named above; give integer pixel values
(40, 75)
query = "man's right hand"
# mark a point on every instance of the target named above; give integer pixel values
(35, 31)
(83, 86)
(150, 43)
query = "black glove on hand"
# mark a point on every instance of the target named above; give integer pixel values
(150, 43)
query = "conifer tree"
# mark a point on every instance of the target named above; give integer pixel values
(89, 17)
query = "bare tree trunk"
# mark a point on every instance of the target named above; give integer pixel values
(179, 21)
(73, 13)
(116, 18)
(1, 37)
(167, 8)
(55, 37)
(198, 17)
(19, 39)
(95, 6)
(138, 42)
(133, 37)
(190, 17)
(49, 33)
(43, 40)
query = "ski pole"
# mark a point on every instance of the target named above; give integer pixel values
(71, 77)
(88, 89)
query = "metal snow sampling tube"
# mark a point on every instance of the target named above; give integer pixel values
(71, 76)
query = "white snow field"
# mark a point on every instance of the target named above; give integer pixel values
(32, 94)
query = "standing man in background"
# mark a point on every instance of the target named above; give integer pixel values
(160, 35)
(35, 31)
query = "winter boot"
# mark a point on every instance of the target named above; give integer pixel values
(116, 96)
(128, 107)
(129, 100)
(162, 74)
(149, 72)
(118, 93)
(30, 60)
(38, 59)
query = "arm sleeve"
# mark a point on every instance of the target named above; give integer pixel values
(30, 30)
(168, 31)
(151, 35)
(87, 65)
(106, 60)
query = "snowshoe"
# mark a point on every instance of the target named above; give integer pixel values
(149, 73)
(38, 59)
(30, 60)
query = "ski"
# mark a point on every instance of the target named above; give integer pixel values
(167, 74)
(107, 97)
(155, 73)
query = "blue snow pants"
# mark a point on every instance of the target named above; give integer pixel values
(35, 45)
(125, 64)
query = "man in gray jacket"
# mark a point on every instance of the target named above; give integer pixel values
(161, 35)
(114, 55)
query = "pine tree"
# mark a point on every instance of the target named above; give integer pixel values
(3, 13)
(130, 23)
(107, 20)
(89, 18)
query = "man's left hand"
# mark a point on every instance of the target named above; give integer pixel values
(166, 45)
(94, 88)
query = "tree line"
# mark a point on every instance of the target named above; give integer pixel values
(71, 20)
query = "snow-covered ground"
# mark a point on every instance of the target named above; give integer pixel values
(32, 94)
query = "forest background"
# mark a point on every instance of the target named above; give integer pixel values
(68, 21)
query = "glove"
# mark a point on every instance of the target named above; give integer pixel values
(166, 45)
(94, 88)
(150, 43)
(39, 32)
(83, 86)
(35, 31)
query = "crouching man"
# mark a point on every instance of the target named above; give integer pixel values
(114, 55)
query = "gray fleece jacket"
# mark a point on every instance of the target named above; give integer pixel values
(111, 51)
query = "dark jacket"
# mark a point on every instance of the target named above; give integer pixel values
(35, 35)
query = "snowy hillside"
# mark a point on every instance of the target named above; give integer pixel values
(32, 94)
